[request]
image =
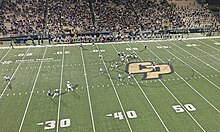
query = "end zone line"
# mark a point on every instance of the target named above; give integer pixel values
(61, 82)
(88, 93)
(32, 91)
(116, 93)
(176, 98)
(13, 75)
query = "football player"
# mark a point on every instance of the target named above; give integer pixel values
(56, 93)
(69, 86)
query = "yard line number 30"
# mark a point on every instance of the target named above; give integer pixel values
(52, 124)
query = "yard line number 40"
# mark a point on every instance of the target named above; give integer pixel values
(130, 114)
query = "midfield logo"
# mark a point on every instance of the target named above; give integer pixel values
(150, 70)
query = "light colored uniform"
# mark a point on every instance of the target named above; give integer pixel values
(7, 78)
(100, 71)
(56, 93)
(120, 77)
(69, 86)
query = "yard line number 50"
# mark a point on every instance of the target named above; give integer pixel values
(179, 109)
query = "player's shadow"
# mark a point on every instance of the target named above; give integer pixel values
(64, 104)
(142, 50)
(83, 48)
(63, 93)
(75, 94)
(10, 86)
(55, 102)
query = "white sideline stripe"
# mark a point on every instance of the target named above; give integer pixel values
(176, 98)
(13, 74)
(61, 80)
(116, 93)
(88, 93)
(196, 57)
(5, 54)
(184, 79)
(29, 100)
(146, 95)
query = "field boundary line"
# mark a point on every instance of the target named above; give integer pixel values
(184, 79)
(147, 98)
(32, 91)
(176, 98)
(116, 93)
(121, 42)
(61, 83)
(88, 93)
(13, 74)
(195, 56)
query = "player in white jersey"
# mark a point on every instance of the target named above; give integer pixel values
(7, 78)
(49, 93)
(112, 66)
(69, 86)
(116, 64)
(120, 77)
(56, 93)
(129, 76)
(100, 56)
(100, 71)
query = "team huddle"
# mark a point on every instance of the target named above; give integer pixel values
(123, 59)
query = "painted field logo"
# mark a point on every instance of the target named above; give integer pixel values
(150, 70)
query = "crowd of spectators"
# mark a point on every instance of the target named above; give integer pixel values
(22, 17)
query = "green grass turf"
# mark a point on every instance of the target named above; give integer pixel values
(195, 81)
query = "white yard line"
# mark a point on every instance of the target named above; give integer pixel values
(182, 106)
(61, 83)
(176, 98)
(196, 57)
(194, 70)
(209, 45)
(13, 75)
(116, 93)
(184, 79)
(147, 98)
(88, 93)
(208, 53)
(5, 54)
(32, 91)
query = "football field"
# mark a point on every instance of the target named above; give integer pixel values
(185, 100)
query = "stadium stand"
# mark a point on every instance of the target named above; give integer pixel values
(25, 17)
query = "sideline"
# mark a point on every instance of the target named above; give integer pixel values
(121, 42)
